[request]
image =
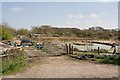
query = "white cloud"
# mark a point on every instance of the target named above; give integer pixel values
(92, 19)
(79, 16)
(17, 9)
(93, 15)
(66, 26)
(70, 16)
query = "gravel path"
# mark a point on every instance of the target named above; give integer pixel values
(65, 67)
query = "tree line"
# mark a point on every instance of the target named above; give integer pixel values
(6, 32)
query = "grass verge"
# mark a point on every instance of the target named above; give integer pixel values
(15, 65)
(107, 59)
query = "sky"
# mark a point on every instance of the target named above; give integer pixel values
(60, 0)
(61, 14)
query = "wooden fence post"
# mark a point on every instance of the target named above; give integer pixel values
(69, 48)
(72, 49)
(98, 50)
(66, 48)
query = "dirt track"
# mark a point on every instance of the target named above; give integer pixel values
(64, 67)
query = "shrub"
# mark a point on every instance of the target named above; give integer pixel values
(6, 32)
(14, 65)
(108, 59)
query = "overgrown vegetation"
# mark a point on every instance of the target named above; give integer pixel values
(6, 32)
(97, 58)
(14, 65)
(23, 32)
(107, 59)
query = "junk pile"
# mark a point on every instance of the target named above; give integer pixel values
(54, 47)
(39, 46)
(7, 50)
(9, 42)
(4, 47)
(83, 56)
(26, 42)
(56, 42)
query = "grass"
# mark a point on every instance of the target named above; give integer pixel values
(13, 66)
(107, 59)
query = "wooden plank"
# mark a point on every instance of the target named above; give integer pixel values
(103, 43)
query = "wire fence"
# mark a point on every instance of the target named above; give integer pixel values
(53, 49)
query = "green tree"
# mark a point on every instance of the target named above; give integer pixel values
(23, 32)
(6, 32)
